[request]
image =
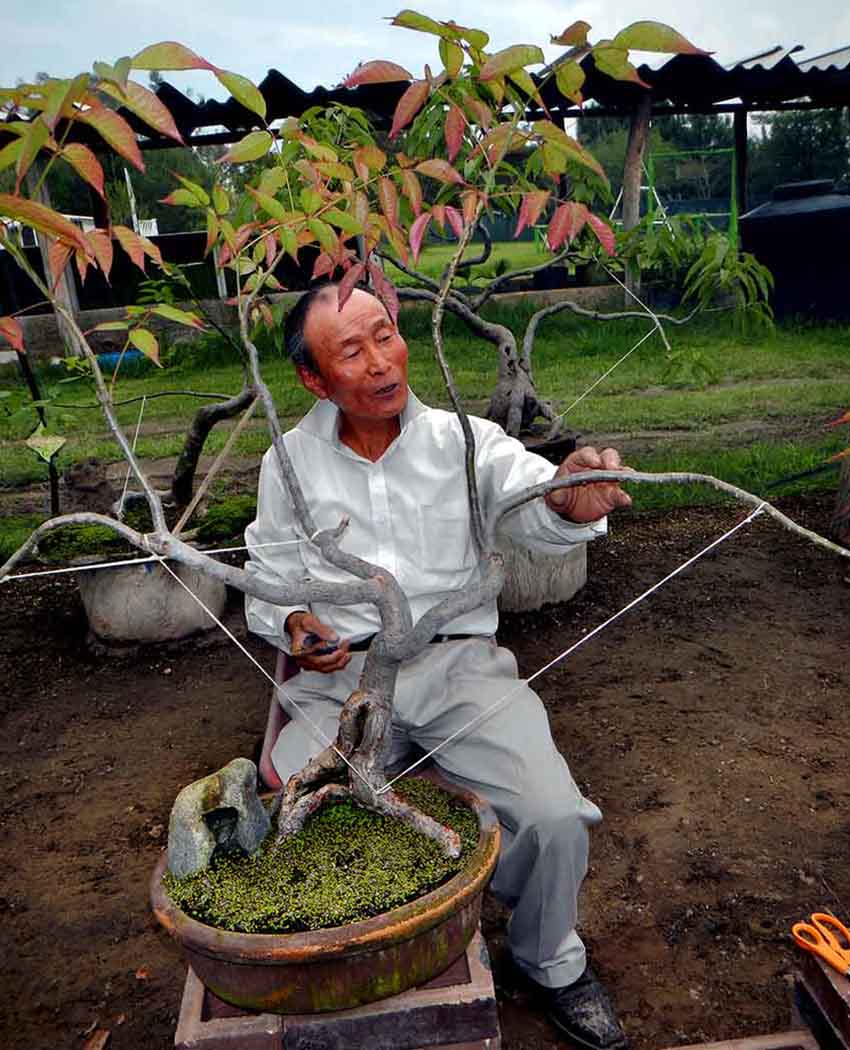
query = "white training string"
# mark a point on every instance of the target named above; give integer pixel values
(120, 513)
(605, 375)
(523, 683)
(142, 561)
(317, 732)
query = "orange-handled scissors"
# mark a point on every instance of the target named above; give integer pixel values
(826, 937)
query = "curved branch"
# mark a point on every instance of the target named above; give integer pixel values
(489, 330)
(148, 397)
(503, 279)
(138, 539)
(486, 251)
(588, 477)
(205, 419)
(422, 278)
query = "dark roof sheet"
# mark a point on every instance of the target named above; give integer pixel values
(685, 82)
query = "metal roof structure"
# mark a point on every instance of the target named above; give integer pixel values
(775, 78)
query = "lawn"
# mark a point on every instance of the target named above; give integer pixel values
(788, 383)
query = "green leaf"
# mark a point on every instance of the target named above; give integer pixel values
(324, 234)
(655, 36)
(408, 19)
(569, 77)
(289, 242)
(110, 326)
(244, 91)
(145, 341)
(172, 313)
(477, 37)
(200, 193)
(43, 444)
(451, 56)
(272, 181)
(254, 145)
(169, 56)
(182, 198)
(510, 59)
(342, 219)
(221, 201)
(31, 145)
(615, 62)
(269, 205)
(311, 201)
(10, 153)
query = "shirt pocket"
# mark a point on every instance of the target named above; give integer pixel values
(445, 537)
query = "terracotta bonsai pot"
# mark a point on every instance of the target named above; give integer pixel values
(346, 966)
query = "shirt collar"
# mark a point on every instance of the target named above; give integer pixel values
(323, 418)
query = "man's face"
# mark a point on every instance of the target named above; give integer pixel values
(360, 355)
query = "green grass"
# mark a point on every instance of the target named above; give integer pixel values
(504, 256)
(797, 375)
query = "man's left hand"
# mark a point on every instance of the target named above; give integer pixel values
(585, 503)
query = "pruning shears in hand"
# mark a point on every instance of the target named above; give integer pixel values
(826, 937)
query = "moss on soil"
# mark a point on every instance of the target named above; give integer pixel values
(346, 865)
(227, 518)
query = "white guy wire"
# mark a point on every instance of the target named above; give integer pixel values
(523, 682)
(142, 561)
(120, 513)
(318, 734)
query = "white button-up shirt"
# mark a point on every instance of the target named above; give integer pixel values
(408, 512)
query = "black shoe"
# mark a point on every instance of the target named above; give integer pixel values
(583, 1012)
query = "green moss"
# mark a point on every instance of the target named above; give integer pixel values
(228, 518)
(347, 864)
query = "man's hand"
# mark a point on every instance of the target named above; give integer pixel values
(303, 628)
(585, 503)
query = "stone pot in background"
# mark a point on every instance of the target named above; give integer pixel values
(144, 603)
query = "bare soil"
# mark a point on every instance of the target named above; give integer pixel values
(708, 723)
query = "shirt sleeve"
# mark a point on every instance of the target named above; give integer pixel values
(505, 468)
(275, 524)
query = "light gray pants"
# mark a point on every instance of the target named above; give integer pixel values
(509, 759)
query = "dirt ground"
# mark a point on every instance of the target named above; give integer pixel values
(708, 723)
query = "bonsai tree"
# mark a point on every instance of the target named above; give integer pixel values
(317, 195)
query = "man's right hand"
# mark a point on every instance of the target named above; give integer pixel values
(299, 626)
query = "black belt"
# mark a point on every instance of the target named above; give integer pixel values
(363, 645)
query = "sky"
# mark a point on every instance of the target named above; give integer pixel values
(320, 43)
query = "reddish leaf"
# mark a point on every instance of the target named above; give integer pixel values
(41, 218)
(368, 158)
(839, 455)
(480, 111)
(349, 283)
(385, 290)
(114, 130)
(388, 198)
(270, 244)
(509, 59)
(57, 259)
(417, 234)
(841, 419)
(137, 247)
(439, 213)
(82, 260)
(12, 331)
(566, 224)
(171, 56)
(101, 245)
(324, 266)
(440, 169)
(379, 72)
(532, 205)
(574, 35)
(409, 105)
(604, 232)
(455, 125)
(85, 163)
(98, 1039)
(412, 190)
(455, 220)
(144, 104)
(470, 203)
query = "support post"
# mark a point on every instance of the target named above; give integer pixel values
(65, 290)
(633, 173)
(740, 127)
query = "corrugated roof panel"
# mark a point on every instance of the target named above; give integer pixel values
(837, 59)
(766, 59)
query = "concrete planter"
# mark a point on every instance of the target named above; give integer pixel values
(144, 603)
(347, 966)
(533, 580)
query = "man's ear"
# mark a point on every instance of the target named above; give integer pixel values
(312, 381)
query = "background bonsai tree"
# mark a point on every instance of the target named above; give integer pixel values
(319, 195)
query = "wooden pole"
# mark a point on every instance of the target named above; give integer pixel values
(633, 173)
(741, 166)
(65, 290)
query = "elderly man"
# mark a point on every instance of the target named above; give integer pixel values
(371, 451)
